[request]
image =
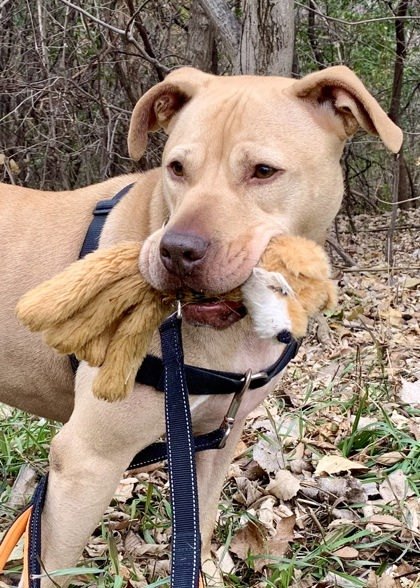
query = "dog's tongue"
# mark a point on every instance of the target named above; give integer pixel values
(219, 315)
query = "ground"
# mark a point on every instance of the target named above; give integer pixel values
(325, 487)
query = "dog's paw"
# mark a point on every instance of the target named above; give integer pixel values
(265, 296)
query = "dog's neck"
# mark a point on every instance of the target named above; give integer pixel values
(234, 349)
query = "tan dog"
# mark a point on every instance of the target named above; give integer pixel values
(247, 159)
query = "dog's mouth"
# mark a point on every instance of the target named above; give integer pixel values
(216, 313)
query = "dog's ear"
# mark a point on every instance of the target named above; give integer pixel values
(157, 106)
(342, 89)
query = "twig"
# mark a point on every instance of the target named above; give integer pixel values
(345, 256)
(389, 254)
(127, 34)
(402, 268)
(399, 201)
(381, 229)
(357, 22)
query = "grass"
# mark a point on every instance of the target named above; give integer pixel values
(24, 439)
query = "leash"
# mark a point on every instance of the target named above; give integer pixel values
(186, 538)
(177, 381)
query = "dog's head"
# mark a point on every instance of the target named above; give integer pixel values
(247, 158)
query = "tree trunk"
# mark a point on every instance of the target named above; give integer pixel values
(201, 48)
(227, 26)
(264, 43)
(404, 192)
(267, 39)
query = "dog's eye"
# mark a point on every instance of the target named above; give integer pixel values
(263, 171)
(177, 168)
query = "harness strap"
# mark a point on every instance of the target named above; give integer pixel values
(171, 376)
(102, 209)
(28, 524)
(204, 381)
(157, 452)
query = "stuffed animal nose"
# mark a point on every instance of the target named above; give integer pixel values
(181, 253)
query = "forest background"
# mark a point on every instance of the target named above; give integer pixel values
(70, 74)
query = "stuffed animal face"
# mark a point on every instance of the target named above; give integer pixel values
(265, 296)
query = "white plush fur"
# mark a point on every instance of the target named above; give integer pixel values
(265, 297)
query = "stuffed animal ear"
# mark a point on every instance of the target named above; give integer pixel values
(298, 256)
(156, 108)
(340, 88)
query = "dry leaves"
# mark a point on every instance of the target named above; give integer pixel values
(285, 485)
(252, 541)
(335, 464)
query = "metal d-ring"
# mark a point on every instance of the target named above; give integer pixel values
(229, 418)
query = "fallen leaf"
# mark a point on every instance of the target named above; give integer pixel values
(96, 547)
(346, 553)
(250, 540)
(334, 464)
(410, 283)
(14, 168)
(224, 560)
(410, 392)
(268, 455)
(383, 581)
(125, 489)
(395, 487)
(392, 315)
(285, 486)
(390, 458)
(265, 513)
(248, 491)
(385, 521)
(136, 547)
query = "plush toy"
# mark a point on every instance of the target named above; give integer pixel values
(101, 309)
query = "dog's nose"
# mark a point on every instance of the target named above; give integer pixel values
(181, 253)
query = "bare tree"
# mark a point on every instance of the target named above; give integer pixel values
(201, 45)
(405, 195)
(263, 42)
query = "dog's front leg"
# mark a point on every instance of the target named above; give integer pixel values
(87, 459)
(212, 467)
(80, 487)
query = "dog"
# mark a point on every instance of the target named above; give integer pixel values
(247, 158)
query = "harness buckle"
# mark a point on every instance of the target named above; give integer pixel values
(229, 418)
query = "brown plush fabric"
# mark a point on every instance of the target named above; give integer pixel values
(101, 309)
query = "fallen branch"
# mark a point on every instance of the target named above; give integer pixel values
(349, 261)
(402, 268)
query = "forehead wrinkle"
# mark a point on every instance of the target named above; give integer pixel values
(229, 117)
